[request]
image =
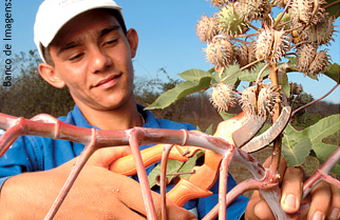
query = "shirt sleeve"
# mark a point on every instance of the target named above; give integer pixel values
(19, 158)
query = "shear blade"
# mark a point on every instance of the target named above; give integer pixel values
(269, 136)
(250, 128)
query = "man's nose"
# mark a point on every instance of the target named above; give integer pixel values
(100, 60)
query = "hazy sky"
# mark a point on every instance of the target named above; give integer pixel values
(167, 36)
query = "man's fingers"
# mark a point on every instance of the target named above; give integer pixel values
(257, 208)
(292, 189)
(176, 212)
(334, 212)
(321, 199)
(105, 156)
(129, 192)
(128, 214)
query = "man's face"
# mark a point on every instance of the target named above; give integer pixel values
(92, 57)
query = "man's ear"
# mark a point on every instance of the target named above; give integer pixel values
(132, 37)
(49, 74)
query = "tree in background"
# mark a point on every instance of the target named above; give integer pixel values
(29, 94)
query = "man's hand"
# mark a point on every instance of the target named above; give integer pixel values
(324, 199)
(96, 194)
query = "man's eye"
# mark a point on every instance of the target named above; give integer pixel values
(75, 57)
(110, 42)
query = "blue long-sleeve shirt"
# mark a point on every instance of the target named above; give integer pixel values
(30, 154)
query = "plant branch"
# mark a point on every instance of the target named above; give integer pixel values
(315, 101)
(253, 26)
(282, 14)
(164, 164)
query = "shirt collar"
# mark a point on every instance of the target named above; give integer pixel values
(80, 120)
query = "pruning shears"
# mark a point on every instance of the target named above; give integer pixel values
(239, 130)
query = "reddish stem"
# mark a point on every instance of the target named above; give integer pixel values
(313, 102)
(223, 184)
(163, 178)
(142, 175)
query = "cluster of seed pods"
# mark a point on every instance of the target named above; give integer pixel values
(232, 38)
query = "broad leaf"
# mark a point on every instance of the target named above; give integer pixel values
(333, 7)
(226, 115)
(297, 144)
(174, 166)
(209, 130)
(252, 75)
(319, 131)
(333, 72)
(181, 90)
(283, 81)
(194, 74)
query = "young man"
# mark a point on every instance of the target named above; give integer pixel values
(86, 47)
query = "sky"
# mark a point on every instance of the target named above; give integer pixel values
(167, 38)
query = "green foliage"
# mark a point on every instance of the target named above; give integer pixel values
(30, 94)
(333, 72)
(333, 7)
(297, 145)
(199, 80)
(174, 166)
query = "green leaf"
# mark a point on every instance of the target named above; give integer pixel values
(283, 81)
(333, 7)
(252, 75)
(226, 116)
(231, 69)
(181, 90)
(174, 167)
(209, 130)
(333, 72)
(295, 146)
(194, 74)
(190, 164)
(325, 127)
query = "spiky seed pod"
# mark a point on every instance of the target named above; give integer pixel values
(301, 11)
(319, 64)
(255, 9)
(251, 53)
(218, 3)
(280, 45)
(306, 11)
(264, 43)
(245, 54)
(305, 56)
(320, 33)
(223, 97)
(271, 44)
(232, 20)
(207, 28)
(295, 89)
(267, 98)
(264, 8)
(249, 100)
(220, 53)
(241, 55)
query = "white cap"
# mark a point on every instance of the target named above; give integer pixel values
(54, 14)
